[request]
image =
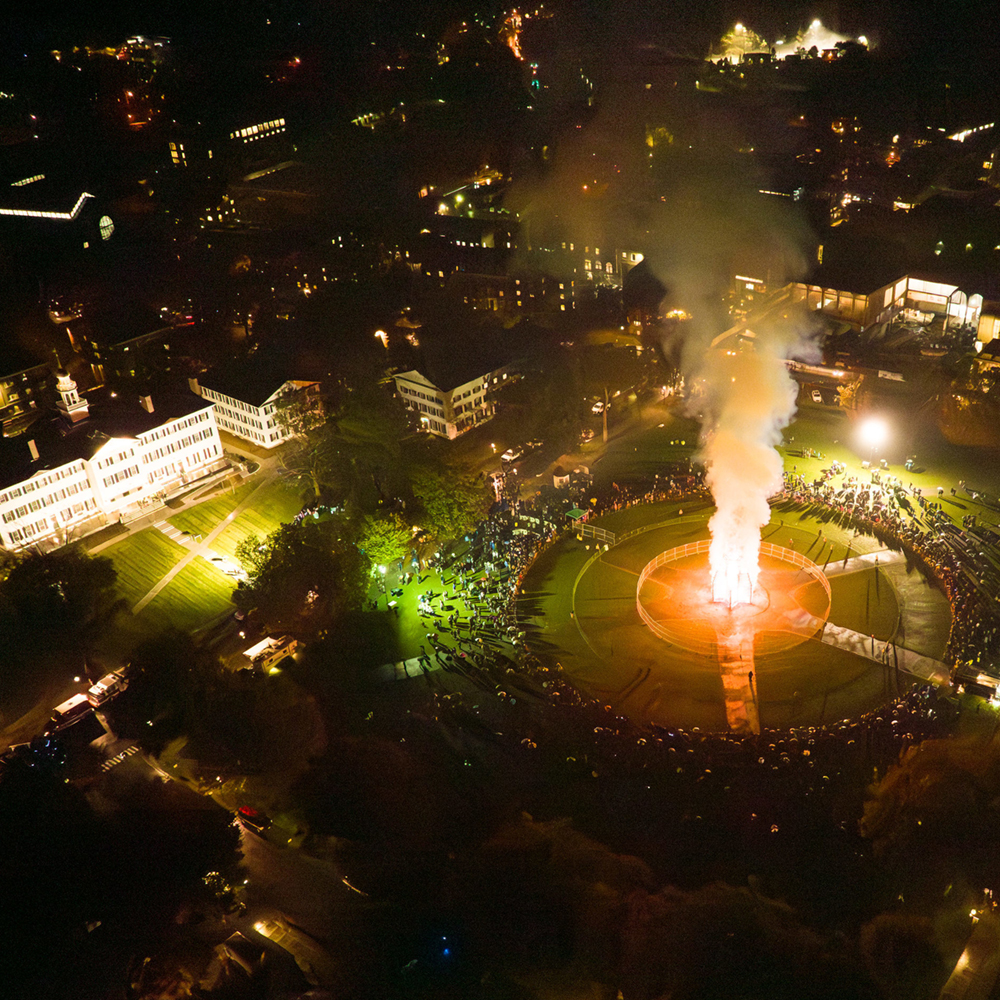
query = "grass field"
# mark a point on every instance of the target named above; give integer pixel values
(203, 518)
(273, 505)
(197, 595)
(865, 602)
(141, 560)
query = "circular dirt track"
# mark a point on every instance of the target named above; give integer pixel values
(811, 658)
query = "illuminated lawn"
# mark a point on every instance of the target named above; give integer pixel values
(205, 517)
(142, 560)
(196, 596)
(865, 602)
(273, 505)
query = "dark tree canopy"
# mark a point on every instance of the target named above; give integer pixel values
(302, 575)
(451, 503)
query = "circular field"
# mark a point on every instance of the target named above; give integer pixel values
(817, 656)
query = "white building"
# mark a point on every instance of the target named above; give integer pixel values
(65, 477)
(448, 412)
(247, 403)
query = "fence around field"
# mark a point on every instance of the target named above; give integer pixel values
(698, 548)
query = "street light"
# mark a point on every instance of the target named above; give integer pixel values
(384, 337)
(381, 570)
(874, 433)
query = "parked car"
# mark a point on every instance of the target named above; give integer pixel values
(598, 407)
(817, 396)
(253, 819)
(587, 434)
(229, 568)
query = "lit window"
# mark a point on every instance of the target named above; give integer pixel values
(107, 227)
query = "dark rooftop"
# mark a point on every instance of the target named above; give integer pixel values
(252, 380)
(60, 442)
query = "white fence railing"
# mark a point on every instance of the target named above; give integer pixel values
(697, 548)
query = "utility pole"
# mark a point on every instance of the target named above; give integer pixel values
(605, 414)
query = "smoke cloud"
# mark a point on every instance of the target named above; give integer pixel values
(674, 180)
(746, 398)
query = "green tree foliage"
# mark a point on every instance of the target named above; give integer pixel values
(451, 503)
(354, 456)
(54, 610)
(305, 575)
(61, 598)
(384, 540)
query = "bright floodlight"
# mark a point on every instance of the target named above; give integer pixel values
(874, 432)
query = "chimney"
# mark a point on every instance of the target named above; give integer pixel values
(33, 448)
(147, 403)
(194, 387)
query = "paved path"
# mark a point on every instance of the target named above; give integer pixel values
(736, 667)
(200, 548)
(913, 597)
(975, 973)
(881, 558)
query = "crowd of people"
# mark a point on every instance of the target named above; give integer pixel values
(961, 559)
(484, 638)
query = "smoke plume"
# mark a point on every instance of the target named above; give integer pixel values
(672, 177)
(746, 398)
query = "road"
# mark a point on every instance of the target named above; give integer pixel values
(309, 890)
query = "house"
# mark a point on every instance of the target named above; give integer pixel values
(101, 459)
(455, 401)
(255, 401)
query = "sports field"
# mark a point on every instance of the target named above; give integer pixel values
(582, 603)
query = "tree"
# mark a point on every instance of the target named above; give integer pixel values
(304, 575)
(385, 539)
(61, 598)
(451, 502)
(54, 610)
(299, 408)
(171, 681)
(940, 802)
(354, 455)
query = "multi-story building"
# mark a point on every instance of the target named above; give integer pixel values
(455, 404)
(87, 467)
(254, 403)
(866, 300)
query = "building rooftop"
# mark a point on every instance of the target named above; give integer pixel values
(60, 442)
(252, 380)
(449, 365)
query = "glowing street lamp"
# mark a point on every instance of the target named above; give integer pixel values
(384, 337)
(874, 433)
